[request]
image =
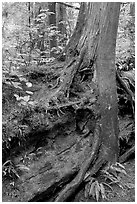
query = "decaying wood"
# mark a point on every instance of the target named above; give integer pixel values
(72, 186)
(48, 172)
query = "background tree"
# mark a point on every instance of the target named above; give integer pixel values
(52, 22)
(125, 47)
(61, 19)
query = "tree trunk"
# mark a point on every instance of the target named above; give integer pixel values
(61, 15)
(106, 79)
(132, 9)
(41, 26)
(30, 36)
(52, 22)
(92, 46)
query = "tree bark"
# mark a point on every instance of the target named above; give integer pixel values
(93, 46)
(106, 79)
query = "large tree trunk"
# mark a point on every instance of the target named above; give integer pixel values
(92, 46)
(106, 79)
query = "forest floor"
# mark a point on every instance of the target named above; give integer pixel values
(118, 194)
(127, 194)
(61, 150)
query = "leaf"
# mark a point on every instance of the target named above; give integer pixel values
(113, 172)
(98, 186)
(12, 183)
(117, 163)
(31, 102)
(16, 85)
(7, 82)
(39, 153)
(8, 161)
(15, 172)
(120, 185)
(39, 148)
(24, 103)
(92, 189)
(50, 12)
(102, 190)
(118, 169)
(107, 185)
(23, 79)
(87, 188)
(23, 167)
(28, 84)
(17, 97)
(97, 192)
(29, 92)
(25, 98)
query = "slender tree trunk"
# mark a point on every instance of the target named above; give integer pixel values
(41, 44)
(52, 21)
(30, 36)
(61, 17)
(132, 9)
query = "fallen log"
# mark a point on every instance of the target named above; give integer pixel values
(46, 172)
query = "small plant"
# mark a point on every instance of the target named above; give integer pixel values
(111, 174)
(10, 170)
(96, 189)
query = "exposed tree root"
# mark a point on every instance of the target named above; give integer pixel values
(72, 187)
(50, 193)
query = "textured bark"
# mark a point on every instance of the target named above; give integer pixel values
(95, 43)
(98, 39)
(93, 46)
(106, 79)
